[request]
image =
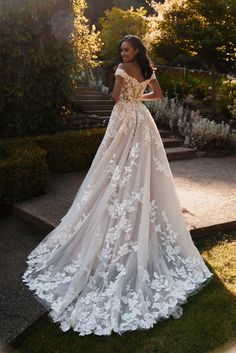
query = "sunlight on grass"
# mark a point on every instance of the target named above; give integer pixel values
(222, 257)
(208, 323)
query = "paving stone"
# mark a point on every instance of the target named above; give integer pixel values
(18, 307)
(206, 188)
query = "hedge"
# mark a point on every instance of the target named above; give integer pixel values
(70, 150)
(26, 163)
(23, 174)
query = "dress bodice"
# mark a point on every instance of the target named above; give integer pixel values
(132, 89)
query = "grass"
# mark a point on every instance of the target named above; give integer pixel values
(208, 323)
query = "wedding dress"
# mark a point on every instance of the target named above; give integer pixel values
(122, 257)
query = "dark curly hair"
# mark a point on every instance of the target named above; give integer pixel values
(142, 57)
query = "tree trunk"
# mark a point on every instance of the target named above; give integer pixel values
(213, 89)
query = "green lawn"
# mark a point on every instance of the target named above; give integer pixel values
(208, 323)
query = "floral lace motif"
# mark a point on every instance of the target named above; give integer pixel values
(132, 90)
(127, 260)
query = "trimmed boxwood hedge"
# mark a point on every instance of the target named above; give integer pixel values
(23, 174)
(25, 163)
(70, 150)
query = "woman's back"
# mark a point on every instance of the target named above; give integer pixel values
(133, 87)
(133, 69)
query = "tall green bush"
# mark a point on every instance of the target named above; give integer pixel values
(36, 83)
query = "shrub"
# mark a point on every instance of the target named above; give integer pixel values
(71, 150)
(227, 93)
(200, 87)
(23, 172)
(174, 86)
(199, 132)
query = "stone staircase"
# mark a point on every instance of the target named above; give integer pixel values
(93, 108)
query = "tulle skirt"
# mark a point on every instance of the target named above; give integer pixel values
(121, 258)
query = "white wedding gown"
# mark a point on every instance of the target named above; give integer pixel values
(122, 257)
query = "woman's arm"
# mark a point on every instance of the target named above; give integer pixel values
(156, 91)
(117, 88)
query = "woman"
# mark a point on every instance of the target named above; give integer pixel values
(121, 258)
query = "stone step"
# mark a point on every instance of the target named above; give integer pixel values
(102, 112)
(91, 97)
(174, 153)
(172, 141)
(81, 85)
(94, 107)
(95, 101)
(162, 131)
(87, 89)
(90, 117)
(77, 106)
(165, 132)
(92, 90)
(201, 204)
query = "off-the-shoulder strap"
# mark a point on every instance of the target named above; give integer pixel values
(120, 72)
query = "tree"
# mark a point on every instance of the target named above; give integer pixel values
(205, 29)
(96, 8)
(118, 23)
(86, 40)
(42, 45)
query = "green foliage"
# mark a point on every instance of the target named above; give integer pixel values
(38, 63)
(118, 23)
(86, 40)
(36, 84)
(96, 8)
(70, 150)
(205, 29)
(199, 132)
(23, 172)
(188, 62)
(227, 93)
(199, 28)
(200, 87)
(174, 86)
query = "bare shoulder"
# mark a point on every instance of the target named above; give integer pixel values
(131, 68)
(123, 66)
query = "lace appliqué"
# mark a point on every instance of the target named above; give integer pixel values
(161, 167)
(106, 287)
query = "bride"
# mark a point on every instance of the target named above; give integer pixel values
(121, 258)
